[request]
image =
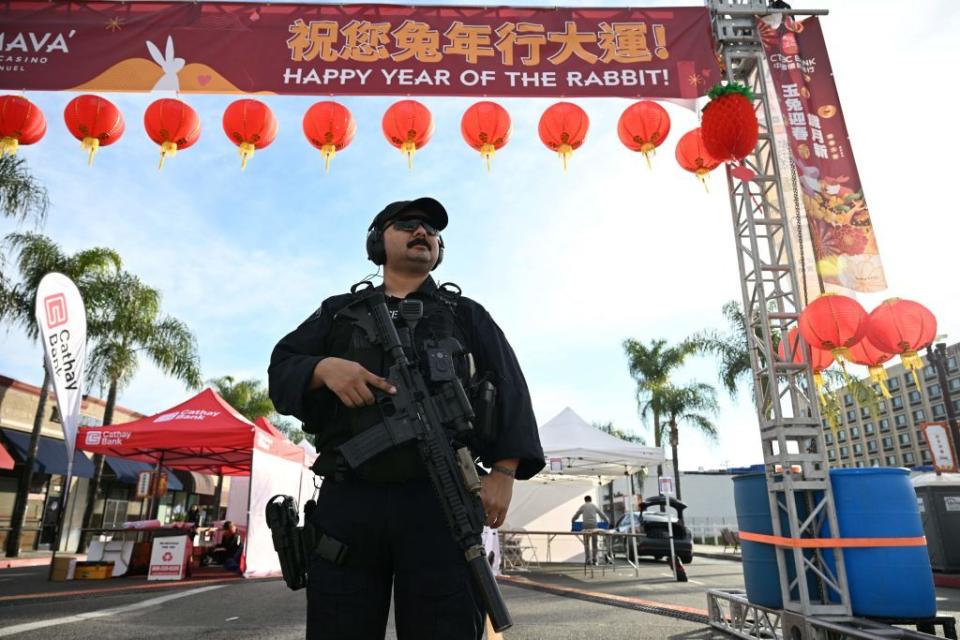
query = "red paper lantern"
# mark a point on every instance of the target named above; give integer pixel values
(486, 127)
(833, 323)
(866, 354)
(21, 122)
(330, 127)
(250, 124)
(173, 124)
(563, 128)
(408, 125)
(729, 124)
(643, 127)
(902, 327)
(94, 121)
(819, 359)
(693, 156)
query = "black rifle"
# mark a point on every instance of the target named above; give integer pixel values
(440, 423)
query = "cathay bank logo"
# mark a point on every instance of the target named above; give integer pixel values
(186, 414)
(93, 438)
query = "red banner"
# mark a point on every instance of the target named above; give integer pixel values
(360, 49)
(840, 226)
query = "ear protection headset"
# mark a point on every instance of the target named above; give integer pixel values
(377, 251)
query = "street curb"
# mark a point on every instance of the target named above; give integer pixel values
(949, 581)
(627, 602)
(719, 556)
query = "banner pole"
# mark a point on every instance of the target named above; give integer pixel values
(58, 538)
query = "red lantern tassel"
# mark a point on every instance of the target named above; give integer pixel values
(819, 384)
(328, 151)
(90, 145)
(565, 152)
(487, 151)
(409, 148)
(912, 362)
(8, 146)
(167, 149)
(246, 152)
(879, 375)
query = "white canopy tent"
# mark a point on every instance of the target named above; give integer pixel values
(572, 446)
(579, 458)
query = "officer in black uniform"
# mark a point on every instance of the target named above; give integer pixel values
(386, 513)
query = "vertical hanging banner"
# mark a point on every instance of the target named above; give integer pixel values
(941, 447)
(840, 228)
(62, 319)
(356, 49)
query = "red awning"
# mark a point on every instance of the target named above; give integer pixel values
(6, 460)
(202, 434)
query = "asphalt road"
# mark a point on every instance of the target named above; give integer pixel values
(254, 609)
(266, 609)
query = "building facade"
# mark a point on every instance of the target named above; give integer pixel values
(116, 501)
(891, 436)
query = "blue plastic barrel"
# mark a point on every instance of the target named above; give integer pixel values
(761, 576)
(892, 582)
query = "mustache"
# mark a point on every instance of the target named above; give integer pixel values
(418, 241)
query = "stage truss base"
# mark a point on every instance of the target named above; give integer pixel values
(730, 612)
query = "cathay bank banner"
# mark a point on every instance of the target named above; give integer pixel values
(62, 319)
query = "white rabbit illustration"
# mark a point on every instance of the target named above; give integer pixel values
(170, 65)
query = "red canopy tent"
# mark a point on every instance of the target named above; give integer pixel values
(207, 435)
(203, 434)
(6, 461)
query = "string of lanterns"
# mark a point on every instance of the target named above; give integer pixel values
(407, 125)
(837, 328)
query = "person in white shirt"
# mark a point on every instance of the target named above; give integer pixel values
(589, 512)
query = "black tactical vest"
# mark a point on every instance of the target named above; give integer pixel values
(349, 342)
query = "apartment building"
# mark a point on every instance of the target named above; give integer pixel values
(892, 437)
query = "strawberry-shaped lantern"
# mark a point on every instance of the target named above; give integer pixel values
(729, 125)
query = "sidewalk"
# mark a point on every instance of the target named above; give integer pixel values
(717, 551)
(29, 582)
(31, 559)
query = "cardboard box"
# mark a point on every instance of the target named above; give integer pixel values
(63, 568)
(93, 570)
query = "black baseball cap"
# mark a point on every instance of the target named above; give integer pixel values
(432, 212)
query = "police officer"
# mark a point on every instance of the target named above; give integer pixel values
(385, 513)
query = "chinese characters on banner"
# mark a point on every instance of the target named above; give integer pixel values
(941, 447)
(356, 49)
(844, 242)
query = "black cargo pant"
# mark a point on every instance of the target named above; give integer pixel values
(398, 537)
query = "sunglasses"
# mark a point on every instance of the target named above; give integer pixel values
(412, 224)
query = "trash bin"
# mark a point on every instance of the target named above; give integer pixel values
(938, 498)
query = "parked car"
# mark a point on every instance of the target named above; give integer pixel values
(654, 538)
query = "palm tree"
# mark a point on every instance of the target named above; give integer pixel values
(288, 428)
(35, 256)
(731, 348)
(651, 367)
(246, 396)
(21, 196)
(126, 319)
(693, 404)
(607, 427)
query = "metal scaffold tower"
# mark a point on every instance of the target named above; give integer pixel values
(794, 456)
(816, 597)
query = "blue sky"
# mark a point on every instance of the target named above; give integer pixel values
(569, 265)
